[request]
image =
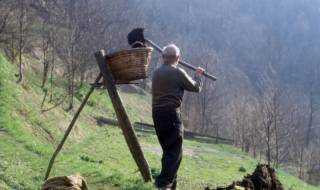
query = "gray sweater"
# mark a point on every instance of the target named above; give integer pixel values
(168, 85)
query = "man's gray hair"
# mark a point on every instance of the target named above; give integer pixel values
(171, 50)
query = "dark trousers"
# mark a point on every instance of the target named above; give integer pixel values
(169, 130)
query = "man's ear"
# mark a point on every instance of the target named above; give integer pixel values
(178, 57)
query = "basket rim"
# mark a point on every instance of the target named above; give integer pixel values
(149, 49)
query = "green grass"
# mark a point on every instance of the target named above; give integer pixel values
(29, 135)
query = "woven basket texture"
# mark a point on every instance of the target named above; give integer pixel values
(131, 64)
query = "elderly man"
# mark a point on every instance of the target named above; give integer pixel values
(168, 85)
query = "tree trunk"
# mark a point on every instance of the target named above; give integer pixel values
(21, 24)
(268, 144)
(276, 141)
(52, 67)
(45, 64)
(310, 119)
(13, 53)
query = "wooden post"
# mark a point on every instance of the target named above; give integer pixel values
(66, 134)
(123, 119)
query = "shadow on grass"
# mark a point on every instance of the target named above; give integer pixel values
(2, 130)
(116, 181)
(102, 121)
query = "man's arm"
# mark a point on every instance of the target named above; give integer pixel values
(191, 84)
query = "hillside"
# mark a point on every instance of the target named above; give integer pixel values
(29, 134)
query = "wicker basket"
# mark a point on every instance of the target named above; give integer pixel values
(131, 64)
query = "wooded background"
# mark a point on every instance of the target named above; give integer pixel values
(265, 54)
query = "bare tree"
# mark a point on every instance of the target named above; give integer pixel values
(21, 43)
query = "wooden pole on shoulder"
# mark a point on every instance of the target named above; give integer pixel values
(122, 116)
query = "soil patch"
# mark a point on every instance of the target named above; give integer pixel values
(263, 178)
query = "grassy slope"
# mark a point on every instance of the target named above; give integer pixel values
(28, 137)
